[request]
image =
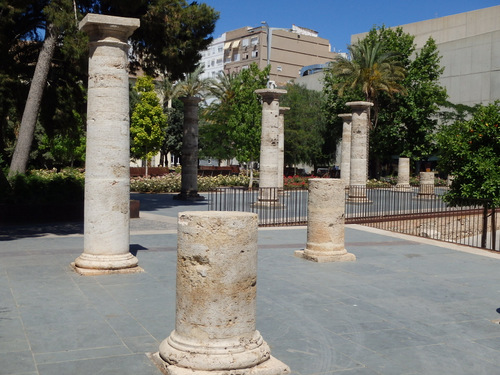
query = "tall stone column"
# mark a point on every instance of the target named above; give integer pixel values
(107, 173)
(326, 222)
(215, 330)
(403, 174)
(345, 164)
(426, 188)
(359, 150)
(281, 146)
(269, 150)
(189, 171)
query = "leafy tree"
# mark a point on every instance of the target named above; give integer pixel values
(470, 152)
(406, 121)
(233, 124)
(171, 35)
(173, 134)
(304, 126)
(371, 68)
(148, 122)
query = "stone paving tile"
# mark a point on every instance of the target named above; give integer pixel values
(113, 365)
(17, 363)
(82, 354)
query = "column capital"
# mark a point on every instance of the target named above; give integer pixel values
(100, 26)
(345, 116)
(360, 105)
(190, 100)
(268, 95)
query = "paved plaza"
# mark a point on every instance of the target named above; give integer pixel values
(406, 306)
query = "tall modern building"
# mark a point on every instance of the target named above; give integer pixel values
(469, 44)
(286, 50)
(212, 59)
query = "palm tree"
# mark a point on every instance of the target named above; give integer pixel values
(371, 70)
(191, 92)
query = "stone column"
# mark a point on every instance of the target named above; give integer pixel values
(403, 174)
(216, 291)
(345, 164)
(107, 172)
(359, 150)
(269, 150)
(326, 222)
(189, 160)
(281, 147)
(426, 187)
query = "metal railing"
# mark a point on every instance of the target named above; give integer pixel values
(274, 207)
(469, 222)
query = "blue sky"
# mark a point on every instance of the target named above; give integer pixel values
(335, 20)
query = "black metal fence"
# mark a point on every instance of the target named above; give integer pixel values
(469, 222)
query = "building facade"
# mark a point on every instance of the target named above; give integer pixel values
(290, 50)
(212, 59)
(469, 44)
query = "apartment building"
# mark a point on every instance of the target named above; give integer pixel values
(212, 59)
(290, 50)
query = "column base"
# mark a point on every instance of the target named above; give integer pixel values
(272, 366)
(358, 200)
(403, 187)
(91, 264)
(189, 197)
(328, 256)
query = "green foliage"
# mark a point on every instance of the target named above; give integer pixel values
(148, 122)
(304, 126)
(232, 125)
(470, 152)
(171, 183)
(407, 120)
(173, 134)
(42, 187)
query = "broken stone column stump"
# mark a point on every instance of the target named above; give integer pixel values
(426, 187)
(107, 175)
(326, 222)
(216, 299)
(403, 174)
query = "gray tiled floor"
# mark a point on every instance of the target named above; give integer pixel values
(405, 307)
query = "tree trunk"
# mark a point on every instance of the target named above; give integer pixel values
(32, 107)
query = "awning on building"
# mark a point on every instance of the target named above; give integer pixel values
(227, 45)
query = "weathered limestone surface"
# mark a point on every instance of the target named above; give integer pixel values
(189, 172)
(426, 187)
(345, 164)
(281, 146)
(403, 174)
(269, 144)
(215, 330)
(107, 176)
(359, 150)
(326, 222)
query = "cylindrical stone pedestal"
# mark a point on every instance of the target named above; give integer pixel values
(281, 147)
(326, 222)
(107, 173)
(216, 291)
(359, 150)
(269, 149)
(345, 164)
(426, 187)
(403, 174)
(189, 171)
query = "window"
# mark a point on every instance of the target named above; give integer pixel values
(255, 53)
(236, 57)
(255, 41)
(244, 42)
(220, 49)
(219, 62)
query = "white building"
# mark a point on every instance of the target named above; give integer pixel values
(213, 58)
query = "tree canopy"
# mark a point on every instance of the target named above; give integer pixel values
(470, 152)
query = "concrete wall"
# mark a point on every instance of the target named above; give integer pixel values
(469, 44)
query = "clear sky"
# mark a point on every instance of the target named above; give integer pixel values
(335, 20)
